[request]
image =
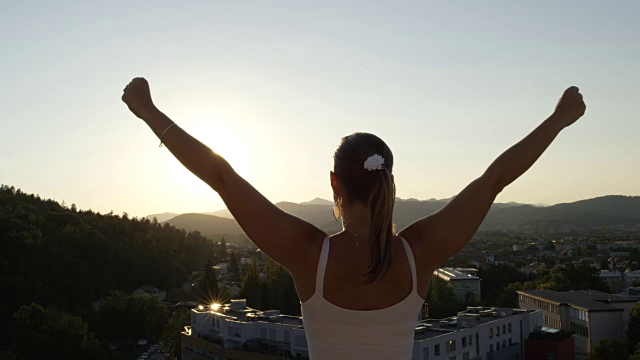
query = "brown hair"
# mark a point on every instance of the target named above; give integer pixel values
(375, 189)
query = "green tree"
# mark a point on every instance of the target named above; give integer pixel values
(508, 298)
(208, 289)
(633, 331)
(251, 287)
(573, 277)
(129, 318)
(234, 267)
(495, 278)
(222, 250)
(48, 333)
(636, 354)
(608, 349)
(441, 299)
(171, 336)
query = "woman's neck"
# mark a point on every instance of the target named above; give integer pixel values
(356, 219)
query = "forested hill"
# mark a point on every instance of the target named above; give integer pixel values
(605, 211)
(613, 210)
(67, 258)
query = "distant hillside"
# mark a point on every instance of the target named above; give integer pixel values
(318, 201)
(612, 210)
(206, 224)
(162, 217)
(604, 211)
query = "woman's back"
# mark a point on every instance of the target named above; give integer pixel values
(345, 318)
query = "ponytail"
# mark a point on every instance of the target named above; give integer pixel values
(372, 185)
(381, 230)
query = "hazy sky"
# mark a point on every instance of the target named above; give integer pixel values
(274, 85)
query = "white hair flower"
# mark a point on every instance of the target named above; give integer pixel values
(374, 162)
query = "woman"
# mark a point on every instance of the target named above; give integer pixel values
(361, 290)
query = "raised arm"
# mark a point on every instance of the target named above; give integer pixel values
(443, 234)
(283, 237)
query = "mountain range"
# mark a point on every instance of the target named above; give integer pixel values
(606, 211)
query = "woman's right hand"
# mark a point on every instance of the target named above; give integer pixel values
(137, 96)
(570, 107)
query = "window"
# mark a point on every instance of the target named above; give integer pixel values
(498, 346)
(504, 343)
(498, 330)
(286, 336)
(490, 347)
(272, 334)
(464, 341)
(471, 339)
(580, 329)
(465, 356)
(509, 327)
(436, 349)
(510, 341)
(425, 353)
(452, 346)
(263, 333)
(504, 329)
(490, 333)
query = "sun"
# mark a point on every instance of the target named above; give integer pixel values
(225, 138)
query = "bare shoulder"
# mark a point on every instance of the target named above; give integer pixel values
(304, 276)
(310, 253)
(417, 236)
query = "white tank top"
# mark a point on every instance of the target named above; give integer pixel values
(338, 333)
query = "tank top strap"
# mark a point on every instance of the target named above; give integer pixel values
(412, 263)
(322, 267)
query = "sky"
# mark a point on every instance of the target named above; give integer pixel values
(273, 86)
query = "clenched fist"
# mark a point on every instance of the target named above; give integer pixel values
(137, 96)
(570, 107)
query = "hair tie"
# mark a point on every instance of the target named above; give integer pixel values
(374, 162)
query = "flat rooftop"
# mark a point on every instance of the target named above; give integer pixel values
(469, 318)
(454, 274)
(585, 299)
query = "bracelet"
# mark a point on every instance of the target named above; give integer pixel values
(164, 132)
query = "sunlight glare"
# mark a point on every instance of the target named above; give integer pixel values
(225, 138)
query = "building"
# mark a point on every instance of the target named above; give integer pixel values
(150, 290)
(618, 281)
(550, 343)
(462, 281)
(591, 315)
(478, 333)
(237, 331)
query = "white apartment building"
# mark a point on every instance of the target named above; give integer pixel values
(237, 327)
(462, 281)
(476, 333)
(237, 331)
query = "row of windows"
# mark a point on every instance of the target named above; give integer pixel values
(540, 304)
(425, 355)
(578, 314)
(450, 346)
(580, 329)
(501, 345)
(551, 322)
(505, 328)
(460, 284)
